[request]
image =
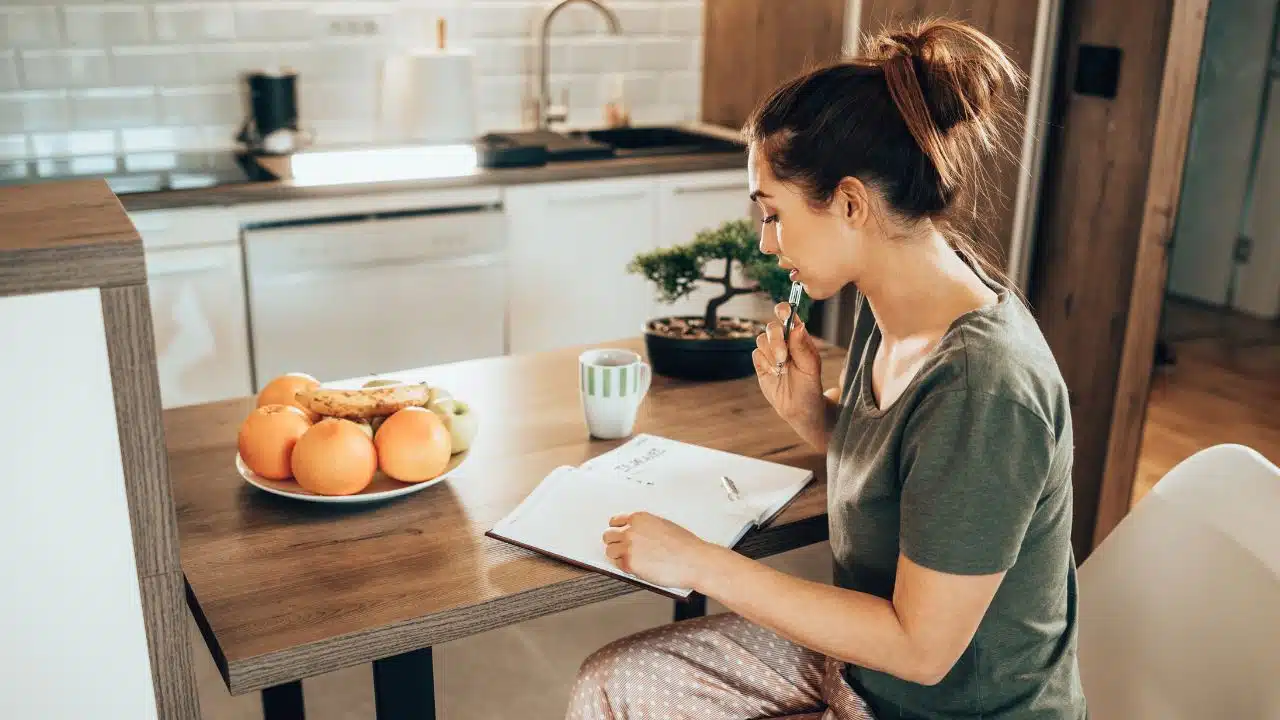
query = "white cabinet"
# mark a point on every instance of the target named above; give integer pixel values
(690, 202)
(195, 276)
(355, 297)
(570, 244)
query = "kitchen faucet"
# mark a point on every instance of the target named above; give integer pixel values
(545, 112)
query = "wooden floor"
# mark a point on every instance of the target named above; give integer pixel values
(1223, 387)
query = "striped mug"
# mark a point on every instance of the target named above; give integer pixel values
(612, 382)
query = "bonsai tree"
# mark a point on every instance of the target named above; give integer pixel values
(678, 270)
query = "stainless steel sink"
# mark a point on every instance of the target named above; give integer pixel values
(656, 140)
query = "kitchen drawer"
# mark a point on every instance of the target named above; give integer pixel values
(185, 227)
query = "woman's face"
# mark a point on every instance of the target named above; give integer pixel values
(812, 242)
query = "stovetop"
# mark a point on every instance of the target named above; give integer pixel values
(141, 172)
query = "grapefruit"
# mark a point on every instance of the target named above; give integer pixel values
(267, 437)
(284, 391)
(334, 457)
(413, 445)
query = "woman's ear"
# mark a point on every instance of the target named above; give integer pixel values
(853, 199)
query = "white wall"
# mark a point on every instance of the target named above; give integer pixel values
(87, 77)
(1259, 290)
(1237, 38)
(72, 641)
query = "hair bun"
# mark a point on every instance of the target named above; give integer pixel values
(963, 74)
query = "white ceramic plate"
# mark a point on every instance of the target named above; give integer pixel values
(382, 487)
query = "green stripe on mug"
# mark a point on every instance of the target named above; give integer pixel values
(608, 376)
(622, 381)
(591, 380)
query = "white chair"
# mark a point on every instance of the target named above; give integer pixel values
(1180, 605)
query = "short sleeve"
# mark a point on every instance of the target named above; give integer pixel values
(973, 468)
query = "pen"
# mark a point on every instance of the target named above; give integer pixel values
(729, 488)
(797, 290)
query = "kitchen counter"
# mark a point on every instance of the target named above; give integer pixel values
(454, 176)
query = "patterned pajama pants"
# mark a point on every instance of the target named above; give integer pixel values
(720, 667)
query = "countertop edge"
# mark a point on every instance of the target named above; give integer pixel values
(283, 191)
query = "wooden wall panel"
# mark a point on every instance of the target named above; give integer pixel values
(1146, 299)
(1092, 218)
(752, 46)
(1012, 23)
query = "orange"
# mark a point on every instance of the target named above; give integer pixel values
(267, 437)
(413, 445)
(334, 457)
(284, 390)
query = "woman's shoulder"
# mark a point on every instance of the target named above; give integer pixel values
(999, 351)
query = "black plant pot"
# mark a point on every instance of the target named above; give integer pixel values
(699, 358)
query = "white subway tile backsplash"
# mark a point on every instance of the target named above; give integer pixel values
(8, 71)
(13, 147)
(511, 19)
(105, 26)
(501, 94)
(684, 18)
(154, 66)
(33, 111)
(192, 106)
(193, 22)
(639, 18)
(149, 139)
(163, 76)
(30, 27)
(640, 89)
(274, 20)
(84, 142)
(598, 55)
(661, 54)
(53, 69)
(113, 108)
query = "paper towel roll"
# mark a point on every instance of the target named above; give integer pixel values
(429, 96)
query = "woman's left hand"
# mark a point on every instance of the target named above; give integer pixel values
(656, 550)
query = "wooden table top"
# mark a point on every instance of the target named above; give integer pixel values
(284, 589)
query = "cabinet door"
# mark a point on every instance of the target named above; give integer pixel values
(692, 202)
(570, 245)
(198, 312)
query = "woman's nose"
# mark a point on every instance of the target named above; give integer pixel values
(768, 239)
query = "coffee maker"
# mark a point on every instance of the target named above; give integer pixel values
(272, 125)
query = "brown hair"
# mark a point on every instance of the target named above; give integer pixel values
(914, 116)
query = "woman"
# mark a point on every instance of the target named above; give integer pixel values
(948, 441)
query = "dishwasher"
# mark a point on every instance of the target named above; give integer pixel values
(348, 296)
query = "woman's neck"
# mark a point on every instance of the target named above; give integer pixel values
(919, 285)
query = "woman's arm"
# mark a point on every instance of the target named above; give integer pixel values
(916, 636)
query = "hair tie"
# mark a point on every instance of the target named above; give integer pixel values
(908, 96)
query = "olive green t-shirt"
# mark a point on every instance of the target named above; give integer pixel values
(967, 472)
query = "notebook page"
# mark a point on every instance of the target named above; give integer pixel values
(569, 511)
(694, 471)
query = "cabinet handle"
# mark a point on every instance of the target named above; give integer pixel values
(490, 259)
(683, 189)
(620, 195)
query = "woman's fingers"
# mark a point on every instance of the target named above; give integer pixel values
(763, 366)
(620, 520)
(614, 535)
(777, 350)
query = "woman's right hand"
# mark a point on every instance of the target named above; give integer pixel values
(795, 391)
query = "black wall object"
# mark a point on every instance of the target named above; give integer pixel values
(1098, 71)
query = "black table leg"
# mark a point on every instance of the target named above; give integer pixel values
(404, 686)
(695, 606)
(283, 702)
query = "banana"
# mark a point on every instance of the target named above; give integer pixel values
(365, 403)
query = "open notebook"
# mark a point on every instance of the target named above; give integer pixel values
(567, 513)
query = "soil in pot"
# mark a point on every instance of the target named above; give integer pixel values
(680, 347)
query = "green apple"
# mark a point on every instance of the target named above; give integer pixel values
(366, 426)
(459, 418)
(438, 393)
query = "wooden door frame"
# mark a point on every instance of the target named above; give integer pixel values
(1150, 272)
